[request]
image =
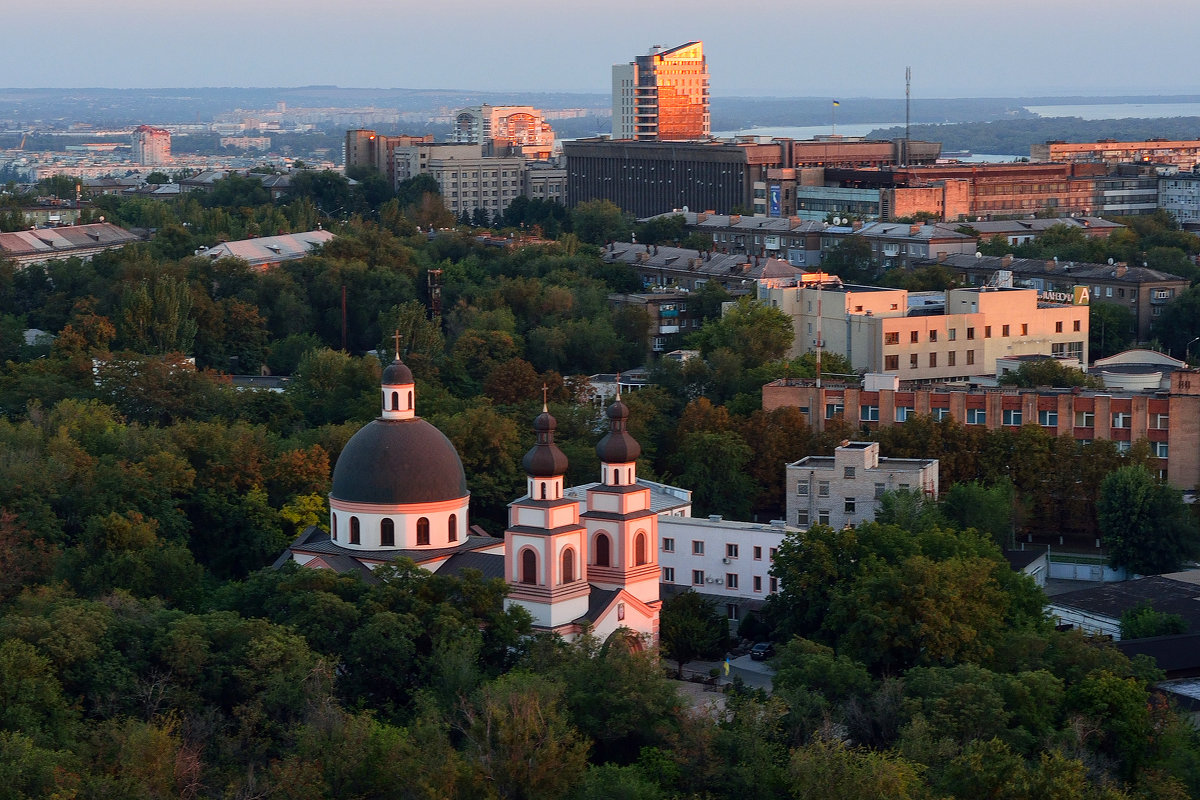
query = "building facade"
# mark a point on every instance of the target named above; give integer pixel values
(845, 488)
(662, 96)
(1169, 420)
(151, 146)
(1180, 195)
(502, 128)
(1184, 154)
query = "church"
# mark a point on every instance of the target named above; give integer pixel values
(399, 491)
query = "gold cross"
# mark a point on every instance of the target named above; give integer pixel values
(544, 405)
(397, 338)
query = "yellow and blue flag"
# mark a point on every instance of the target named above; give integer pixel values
(836, 103)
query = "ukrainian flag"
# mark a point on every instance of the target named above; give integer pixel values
(836, 103)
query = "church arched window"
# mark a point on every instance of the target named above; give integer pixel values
(395, 401)
(333, 526)
(387, 533)
(603, 550)
(568, 565)
(453, 525)
(409, 401)
(354, 530)
(543, 490)
(528, 566)
(639, 549)
(423, 531)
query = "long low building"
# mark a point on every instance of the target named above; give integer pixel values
(1169, 420)
(40, 245)
(268, 250)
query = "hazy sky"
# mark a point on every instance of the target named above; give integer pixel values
(957, 48)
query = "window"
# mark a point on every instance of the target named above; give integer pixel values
(568, 565)
(1159, 449)
(868, 413)
(731, 580)
(914, 337)
(933, 359)
(1122, 419)
(951, 357)
(850, 505)
(668, 574)
(758, 583)
(912, 361)
(939, 414)
(933, 336)
(771, 552)
(834, 410)
(1084, 419)
(802, 517)
(1075, 326)
(774, 585)
(603, 550)
(1012, 416)
(891, 362)
(903, 413)
(528, 566)
(697, 547)
(697, 577)
(892, 337)
(880, 488)
(823, 516)
(970, 333)
(848, 472)
(757, 553)
(395, 401)
(333, 526)
(1048, 419)
(1162, 421)
(731, 551)
(822, 488)
(1024, 328)
(387, 533)
(952, 333)
(668, 545)
(354, 530)
(1058, 327)
(731, 610)
(976, 416)
(987, 331)
(639, 550)
(802, 488)
(452, 526)
(970, 357)
(1004, 330)
(423, 531)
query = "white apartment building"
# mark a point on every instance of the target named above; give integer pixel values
(844, 489)
(466, 178)
(523, 127)
(1180, 194)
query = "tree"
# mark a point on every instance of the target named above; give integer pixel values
(1048, 372)
(714, 465)
(1145, 526)
(1111, 329)
(852, 261)
(1142, 621)
(690, 628)
(988, 510)
(156, 316)
(755, 332)
(599, 222)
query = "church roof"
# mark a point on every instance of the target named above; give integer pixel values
(398, 462)
(316, 541)
(490, 564)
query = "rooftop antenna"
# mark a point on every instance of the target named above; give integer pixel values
(907, 100)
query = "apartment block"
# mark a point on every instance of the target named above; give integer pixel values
(662, 96)
(845, 488)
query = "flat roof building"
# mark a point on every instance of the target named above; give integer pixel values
(662, 96)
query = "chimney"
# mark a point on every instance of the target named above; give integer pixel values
(1006, 261)
(914, 230)
(701, 216)
(942, 254)
(1121, 270)
(734, 219)
(1051, 265)
(857, 226)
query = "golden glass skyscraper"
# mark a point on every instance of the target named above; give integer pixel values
(662, 95)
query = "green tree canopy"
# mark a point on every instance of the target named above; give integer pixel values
(1144, 524)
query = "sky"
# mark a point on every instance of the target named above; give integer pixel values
(785, 48)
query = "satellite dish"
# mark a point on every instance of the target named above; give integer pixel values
(1110, 262)
(978, 254)
(685, 209)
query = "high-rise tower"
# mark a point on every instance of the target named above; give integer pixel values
(662, 95)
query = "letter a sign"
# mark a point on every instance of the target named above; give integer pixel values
(1082, 297)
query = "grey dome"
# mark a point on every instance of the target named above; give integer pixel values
(617, 446)
(397, 373)
(545, 460)
(398, 462)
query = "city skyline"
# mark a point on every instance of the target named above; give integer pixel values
(1021, 48)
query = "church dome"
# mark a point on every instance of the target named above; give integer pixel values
(617, 446)
(545, 460)
(398, 462)
(397, 373)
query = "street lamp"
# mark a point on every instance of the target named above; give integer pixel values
(1188, 346)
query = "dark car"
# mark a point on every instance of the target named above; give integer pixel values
(762, 651)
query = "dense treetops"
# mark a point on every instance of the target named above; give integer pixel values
(146, 652)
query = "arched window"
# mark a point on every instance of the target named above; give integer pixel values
(387, 533)
(543, 490)
(354, 530)
(453, 525)
(528, 566)
(409, 401)
(395, 401)
(639, 549)
(603, 550)
(333, 526)
(423, 531)
(568, 565)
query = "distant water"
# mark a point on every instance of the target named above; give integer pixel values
(1119, 110)
(807, 131)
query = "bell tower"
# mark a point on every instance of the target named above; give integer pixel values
(545, 546)
(622, 529)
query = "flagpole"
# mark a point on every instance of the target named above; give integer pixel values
(833, 118)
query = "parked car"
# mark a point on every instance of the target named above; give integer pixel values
(762, 651)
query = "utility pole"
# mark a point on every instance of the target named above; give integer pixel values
(907, 100)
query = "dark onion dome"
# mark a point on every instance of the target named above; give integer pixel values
(397, 373)
(617, 446)
(398, 462)
(545, 460)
